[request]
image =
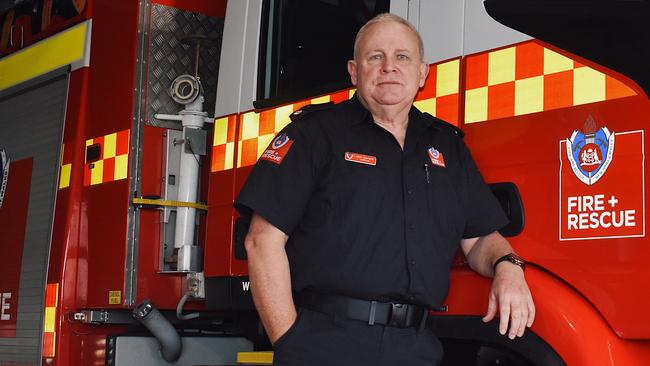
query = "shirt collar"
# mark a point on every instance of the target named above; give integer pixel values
(357, 113)
(418, 121)
(354, 111)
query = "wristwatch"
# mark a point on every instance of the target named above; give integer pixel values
(512, 258)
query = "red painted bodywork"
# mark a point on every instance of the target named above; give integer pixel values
(565, 319)
(220, 258)
(88, 240)
(523, 150)
(103, 228)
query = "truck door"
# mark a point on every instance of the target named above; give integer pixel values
(31, 124)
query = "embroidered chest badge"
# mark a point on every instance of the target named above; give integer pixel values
(436, 157)
(278, 149)
(360, 158)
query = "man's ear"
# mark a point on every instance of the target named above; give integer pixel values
(352, 70)
(424, 72)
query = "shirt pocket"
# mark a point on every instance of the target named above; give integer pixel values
(361, 196)
(444, 203)
(357, 181)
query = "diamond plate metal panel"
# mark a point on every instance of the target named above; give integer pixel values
(169, 57)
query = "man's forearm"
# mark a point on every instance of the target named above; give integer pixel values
(270, 278)
(486, 251)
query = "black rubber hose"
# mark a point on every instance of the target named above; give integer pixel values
(161, 328)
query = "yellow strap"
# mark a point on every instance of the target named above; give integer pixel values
(159, 202)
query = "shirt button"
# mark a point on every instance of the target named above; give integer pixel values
(412, 263)
(409, 192)
(411, 297)
(412, 226)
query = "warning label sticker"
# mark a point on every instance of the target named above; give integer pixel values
(601, 184)
(114, 297)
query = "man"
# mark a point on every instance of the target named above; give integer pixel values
(356, 213)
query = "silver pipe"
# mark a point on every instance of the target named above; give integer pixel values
(161, 328)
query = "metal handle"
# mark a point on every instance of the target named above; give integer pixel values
(22, 35)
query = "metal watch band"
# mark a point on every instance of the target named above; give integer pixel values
(512, 258)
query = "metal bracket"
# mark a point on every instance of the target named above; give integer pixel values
(103, 317)
(195, 282)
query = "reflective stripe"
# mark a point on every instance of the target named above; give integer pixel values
(223, 144)
(529, 78)
(66, 170)
(518, 80)
(257, 129)
(440, 97)
(113, 160)
(64, 180)
(501, 66)
(476, 105)
(70, 47)
(49, 319)
(427, 105)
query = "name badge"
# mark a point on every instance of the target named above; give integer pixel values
(361, 158)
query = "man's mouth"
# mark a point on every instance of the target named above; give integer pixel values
(389, 82)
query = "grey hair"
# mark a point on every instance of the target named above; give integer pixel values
(388, 17)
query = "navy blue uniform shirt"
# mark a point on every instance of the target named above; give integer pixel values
(365, 218)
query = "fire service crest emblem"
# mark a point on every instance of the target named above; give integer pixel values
(590, 151)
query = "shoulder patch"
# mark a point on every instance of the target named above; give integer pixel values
(445, 125)
(308, 109)
(278, 148)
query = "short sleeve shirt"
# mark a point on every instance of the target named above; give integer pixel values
(366, 218)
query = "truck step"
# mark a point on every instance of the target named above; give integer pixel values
(255, 358)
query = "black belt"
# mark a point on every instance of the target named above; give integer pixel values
(391, 314)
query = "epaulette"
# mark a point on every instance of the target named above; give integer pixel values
(440, 123)
(308, 109)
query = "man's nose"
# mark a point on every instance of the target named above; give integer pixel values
(388, 66)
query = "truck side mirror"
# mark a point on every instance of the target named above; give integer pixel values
(508, 196)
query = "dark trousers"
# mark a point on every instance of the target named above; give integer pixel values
(318, 339)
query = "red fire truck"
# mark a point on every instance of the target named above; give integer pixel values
(128, 127)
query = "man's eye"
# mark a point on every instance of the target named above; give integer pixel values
(402, 57)
(375, 57)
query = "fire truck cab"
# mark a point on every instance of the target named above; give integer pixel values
(127, 128)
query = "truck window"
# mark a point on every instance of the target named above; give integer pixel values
(304, 45)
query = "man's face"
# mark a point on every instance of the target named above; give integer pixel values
(388, 69)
